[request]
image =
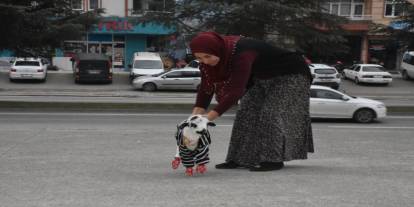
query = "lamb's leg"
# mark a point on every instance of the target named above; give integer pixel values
(176, 161)
(202, 168)
(189, 171)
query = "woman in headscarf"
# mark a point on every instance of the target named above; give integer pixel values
(272, 124)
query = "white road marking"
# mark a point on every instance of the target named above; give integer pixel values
(371, 127)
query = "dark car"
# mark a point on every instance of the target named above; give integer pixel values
(92, 68)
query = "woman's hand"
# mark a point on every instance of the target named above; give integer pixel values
(211, 115)
(198, 110)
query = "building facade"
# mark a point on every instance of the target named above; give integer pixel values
(116, 35)
(368, 42)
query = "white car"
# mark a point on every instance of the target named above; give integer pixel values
(28, 68)
(146, 63)
(367, 73)
(178, 79)
(407, 65)
(325, 75)
(326, 102)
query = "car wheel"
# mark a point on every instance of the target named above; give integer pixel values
(364, 115)
(357, 80)
(343, 75)
(404, 75)
(149, 87)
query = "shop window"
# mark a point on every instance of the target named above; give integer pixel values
(72, 47)
(119, 38)
(93, 4)
(77, 4)
(393, 8)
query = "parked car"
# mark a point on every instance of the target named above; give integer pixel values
(28, 68)
(407, 65)
(326, 102)
(367, 73)
(176, 79)
(146, 63)
(92, 68)
(325, 75)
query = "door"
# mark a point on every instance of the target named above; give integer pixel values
(175, 80)
(329, 104)
(354, 72)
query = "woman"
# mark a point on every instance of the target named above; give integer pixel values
(272, 124)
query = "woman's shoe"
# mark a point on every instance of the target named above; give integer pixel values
(267, 166)
(228, 165)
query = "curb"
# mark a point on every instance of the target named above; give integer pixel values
(133, 107)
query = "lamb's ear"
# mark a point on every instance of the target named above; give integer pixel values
(211, 124)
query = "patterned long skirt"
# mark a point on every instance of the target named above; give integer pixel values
(273, 122)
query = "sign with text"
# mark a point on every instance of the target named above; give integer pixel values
(123, 25)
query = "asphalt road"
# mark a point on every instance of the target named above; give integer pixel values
(117, 159)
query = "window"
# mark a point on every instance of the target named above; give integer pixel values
(77, 4)
(175, 74)
(191, 74)
(409, 59)
(325, 71)
(347, 8)
(373, 69)
(325, 94)
(27, 63)
(393, 8)
(148, 64)
(93, 4)
(358, 10)
(136, 6)
(357, 69)
(406, 58)
(156, 5)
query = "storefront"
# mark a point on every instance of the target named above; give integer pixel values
(118, 38)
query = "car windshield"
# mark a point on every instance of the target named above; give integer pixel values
(93, 64)
(373, 69)
(148, 64)
(27, 63)
(325, 71)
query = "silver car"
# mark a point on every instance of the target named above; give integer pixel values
(178, 79)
